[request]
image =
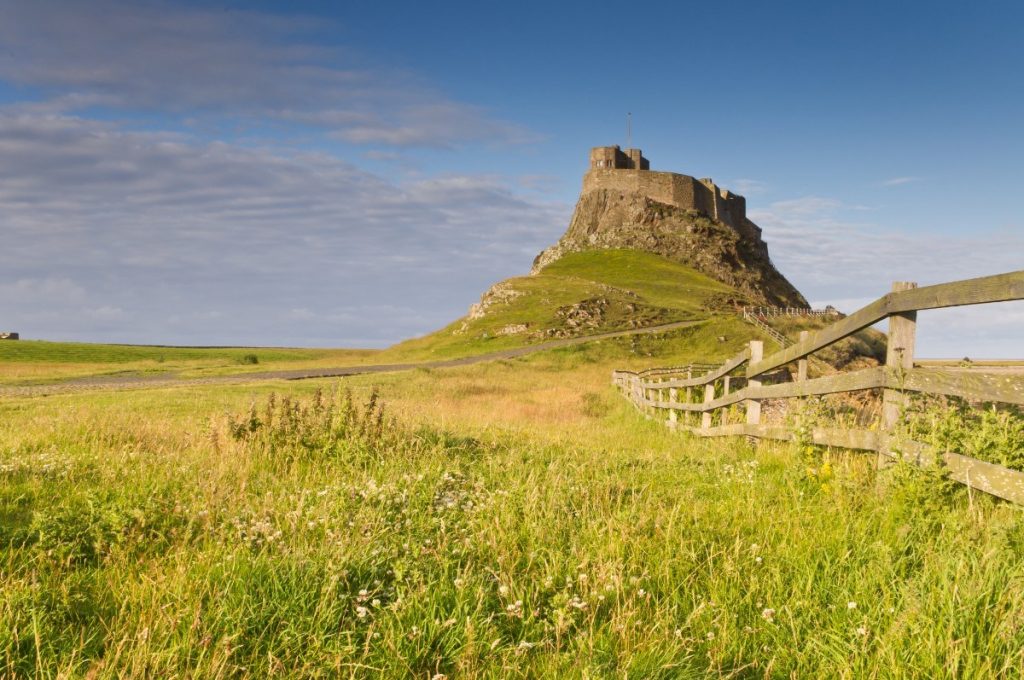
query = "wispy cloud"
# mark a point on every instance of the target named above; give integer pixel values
(749, 187)
(152, 224)
(834, 256)
(897, 181)
(823, 241)
(197, 62)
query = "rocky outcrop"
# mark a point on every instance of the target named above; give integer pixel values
(735, 255)
(604, 313)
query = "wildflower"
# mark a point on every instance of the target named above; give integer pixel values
(376, 602)
(459, 582)
(768, 614)
(515, 610)
(862, 631)
(362, 611)
(503, 590)
(851, 605)
(577, 603)
(711, 635)
(758, 559)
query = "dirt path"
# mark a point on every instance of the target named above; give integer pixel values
(170, 380)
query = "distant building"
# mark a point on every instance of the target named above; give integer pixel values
(8, 335)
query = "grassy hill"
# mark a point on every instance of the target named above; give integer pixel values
(580, 294)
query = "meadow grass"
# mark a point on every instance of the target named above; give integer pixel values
(510, 519)
(34, 361)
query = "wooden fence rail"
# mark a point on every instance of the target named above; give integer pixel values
(684, 392)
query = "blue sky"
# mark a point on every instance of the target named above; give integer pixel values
(320, 173)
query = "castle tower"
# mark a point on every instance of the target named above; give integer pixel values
(613, 158)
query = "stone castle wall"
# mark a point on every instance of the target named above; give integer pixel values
(681, 191)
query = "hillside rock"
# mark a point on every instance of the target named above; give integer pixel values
(733, 254)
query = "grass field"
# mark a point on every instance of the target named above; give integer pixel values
(509, 519)
(28, 361)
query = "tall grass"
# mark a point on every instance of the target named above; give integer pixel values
(315, 536)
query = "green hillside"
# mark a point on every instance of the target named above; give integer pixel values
(580, 294)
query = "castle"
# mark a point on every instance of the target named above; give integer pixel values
(625, 205)
(628, 171)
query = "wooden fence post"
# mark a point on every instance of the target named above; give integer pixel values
(709, 396)
(673, 416)
(754, 406)
(801, 371)
(689, 397)
(725, 391)
(899, 357)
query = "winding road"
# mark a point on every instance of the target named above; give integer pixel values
(171, 380)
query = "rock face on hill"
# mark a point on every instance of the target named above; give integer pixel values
(690, 221)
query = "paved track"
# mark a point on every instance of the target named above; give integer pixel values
(169, 379)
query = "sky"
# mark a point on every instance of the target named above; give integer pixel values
(353, 174)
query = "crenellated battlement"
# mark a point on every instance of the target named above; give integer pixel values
(628, 171)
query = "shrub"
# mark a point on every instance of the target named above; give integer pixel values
(325, 425)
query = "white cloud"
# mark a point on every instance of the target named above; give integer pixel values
(897, 181)
(163, 227)
(213, 62)
(835, 259)
(749, 187)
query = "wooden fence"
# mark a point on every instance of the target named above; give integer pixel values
(765, 312)
(684, 394)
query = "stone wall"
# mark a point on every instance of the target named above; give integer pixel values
(680, 191)
(612, 157)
